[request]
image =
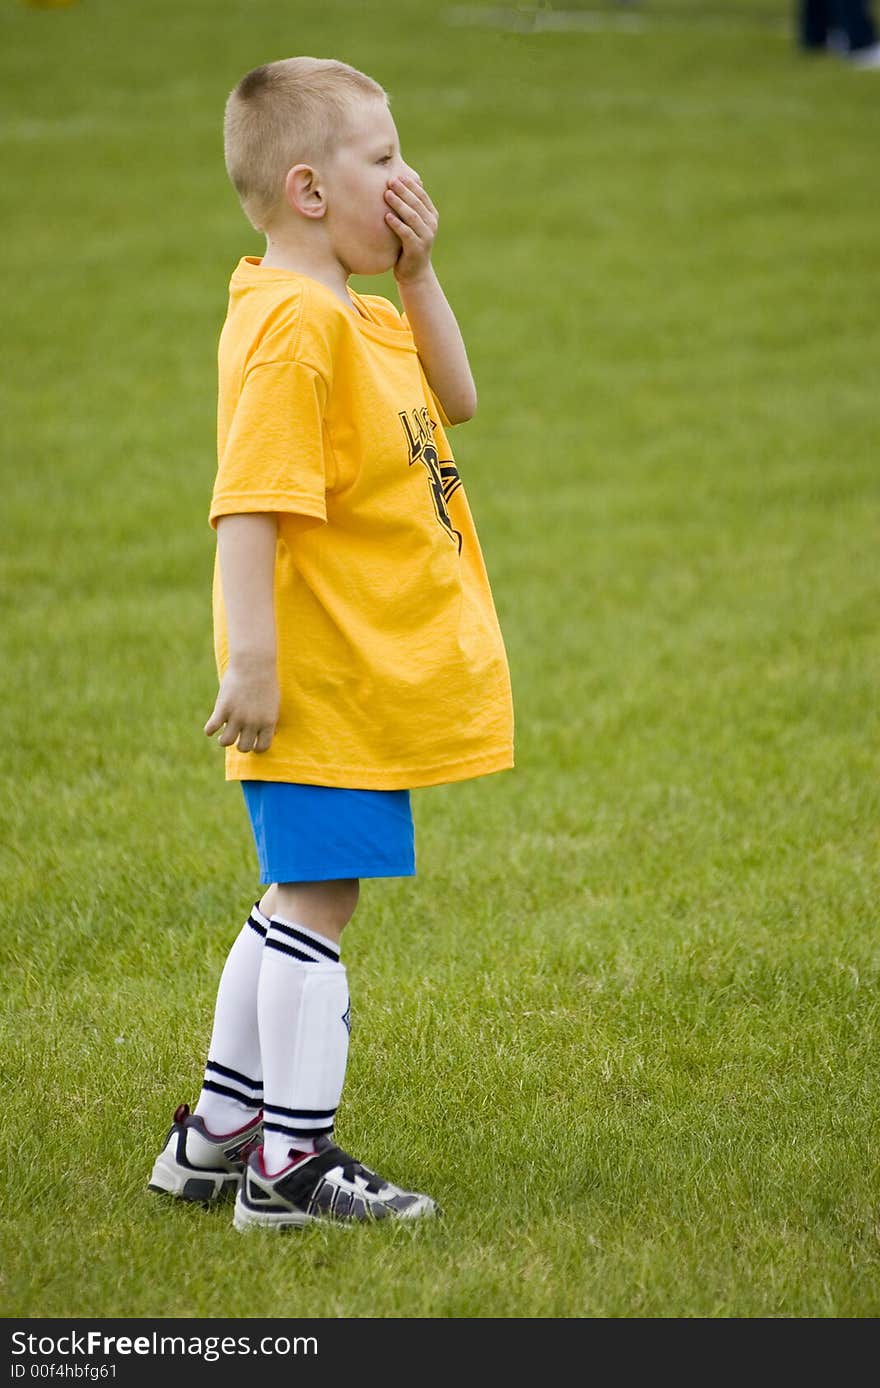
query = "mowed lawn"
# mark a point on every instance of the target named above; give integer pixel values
(624, 1022)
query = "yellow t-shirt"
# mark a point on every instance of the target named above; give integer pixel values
(391, 663)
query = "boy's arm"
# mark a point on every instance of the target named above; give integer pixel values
(413, 218)
(248, 700)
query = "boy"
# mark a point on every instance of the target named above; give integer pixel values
(357, 643)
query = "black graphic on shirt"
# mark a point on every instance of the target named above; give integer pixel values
(443, 478)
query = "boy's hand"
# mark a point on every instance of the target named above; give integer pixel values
(246, 709)
(413, 218)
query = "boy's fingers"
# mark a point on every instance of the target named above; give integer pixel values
(400, 228)
(407, 196)
(415, 192)
(250, 738)
(229, 733)
(424, 199)
(214, 722)
(412, 217)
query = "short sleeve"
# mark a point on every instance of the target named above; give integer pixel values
(274, 457)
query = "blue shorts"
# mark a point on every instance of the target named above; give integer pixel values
(320, 833)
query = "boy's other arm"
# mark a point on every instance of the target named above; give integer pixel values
(248, 699)
(413, 218)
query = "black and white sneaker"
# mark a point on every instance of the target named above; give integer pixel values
(327, 1185)
(200, 1166)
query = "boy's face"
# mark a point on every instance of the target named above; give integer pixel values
(355, 181)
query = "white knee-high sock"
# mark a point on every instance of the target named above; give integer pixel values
(232, 1091)
(304, 1019)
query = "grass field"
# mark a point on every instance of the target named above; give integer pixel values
(624, 1022)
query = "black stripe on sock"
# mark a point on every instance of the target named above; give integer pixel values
(295, 1132)
(288, 949)
(255, 925)
(233, 1075)
(249, 1100)
(327, 950)
(300, 1112)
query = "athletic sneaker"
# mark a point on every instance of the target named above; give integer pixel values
(328, 1185)
(201, 1166)
(866, 58)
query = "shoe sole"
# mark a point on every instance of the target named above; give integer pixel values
(245, 1218)
(185, 1183)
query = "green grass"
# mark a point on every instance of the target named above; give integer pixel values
(624, 1023)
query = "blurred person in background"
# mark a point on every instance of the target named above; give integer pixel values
(844, 25)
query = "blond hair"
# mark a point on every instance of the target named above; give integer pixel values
(292, 111)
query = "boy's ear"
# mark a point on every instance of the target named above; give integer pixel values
(303, 191)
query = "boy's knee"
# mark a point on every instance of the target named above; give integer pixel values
(326, 907)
